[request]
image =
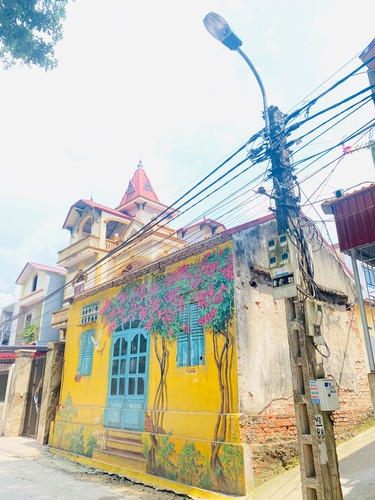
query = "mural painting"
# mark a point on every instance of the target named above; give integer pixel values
(74, 439)
(159, 301)
(161, 397)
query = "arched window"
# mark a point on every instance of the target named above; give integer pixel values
(85, 227)
(34, 283)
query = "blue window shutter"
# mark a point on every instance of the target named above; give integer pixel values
(89, 351)
(81, 354)
(86, 353)
(190, 345)
(196, 336)
(183, 340)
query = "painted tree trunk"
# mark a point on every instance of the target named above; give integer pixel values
(160, 404)
(223, 359)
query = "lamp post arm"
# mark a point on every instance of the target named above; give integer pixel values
(262, 89)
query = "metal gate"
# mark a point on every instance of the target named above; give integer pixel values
(34, 397)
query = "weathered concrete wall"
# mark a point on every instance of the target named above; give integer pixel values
(265, 385)
(51, 389)
(264, 370)
(18, 394)
(4, 404)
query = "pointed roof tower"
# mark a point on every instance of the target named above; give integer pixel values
(139, 186)
(140, 197)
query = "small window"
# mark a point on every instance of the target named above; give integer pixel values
(89, 313)
(369, 276)
(131, 189)
(34, 283)
(86, 353)
(190, 342)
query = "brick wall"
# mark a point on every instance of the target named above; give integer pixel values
(271, 435)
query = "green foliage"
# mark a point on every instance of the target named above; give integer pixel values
(29, 31)
(231, 459)
(66, 411)
(206, 480)
(77, 444)
(29, 332)
(190, 464)
(91, 443)
(164, 454)
(146, 446)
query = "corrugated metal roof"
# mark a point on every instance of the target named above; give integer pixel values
(354, 217)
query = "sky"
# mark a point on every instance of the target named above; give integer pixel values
(144, 80)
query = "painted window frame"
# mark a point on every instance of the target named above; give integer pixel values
(190, 338)
(86, 353)
(89, 313)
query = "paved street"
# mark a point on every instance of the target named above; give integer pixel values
(357, 473)
(29, 471)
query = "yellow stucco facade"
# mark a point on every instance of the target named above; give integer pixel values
(149, 386)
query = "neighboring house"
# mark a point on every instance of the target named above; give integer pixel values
(177, 370)
(6, 323)
(38, 282)
(22, 366)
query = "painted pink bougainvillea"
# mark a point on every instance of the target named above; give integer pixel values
(156, 300)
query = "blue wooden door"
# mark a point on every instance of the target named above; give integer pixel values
(128, 378)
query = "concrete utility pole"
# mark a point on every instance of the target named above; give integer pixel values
(316, 440)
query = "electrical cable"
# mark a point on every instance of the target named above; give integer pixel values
(326, 110)
(307, 106)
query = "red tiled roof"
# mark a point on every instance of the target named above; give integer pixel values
(112, 211)
(82, 203)
(209, 222)
(139, 186)
(42, 267)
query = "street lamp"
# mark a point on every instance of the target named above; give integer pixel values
(220, 29)
(322, 480)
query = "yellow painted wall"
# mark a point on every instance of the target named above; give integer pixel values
(191, 413)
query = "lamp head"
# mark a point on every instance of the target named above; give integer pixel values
(220, 29)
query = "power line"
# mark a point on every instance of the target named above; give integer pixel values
(307, 106)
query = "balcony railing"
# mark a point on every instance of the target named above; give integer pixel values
(86, 244)
(60, 318)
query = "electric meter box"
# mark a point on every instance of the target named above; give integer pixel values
(281, 266)
(328, 394)
(313, 320)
